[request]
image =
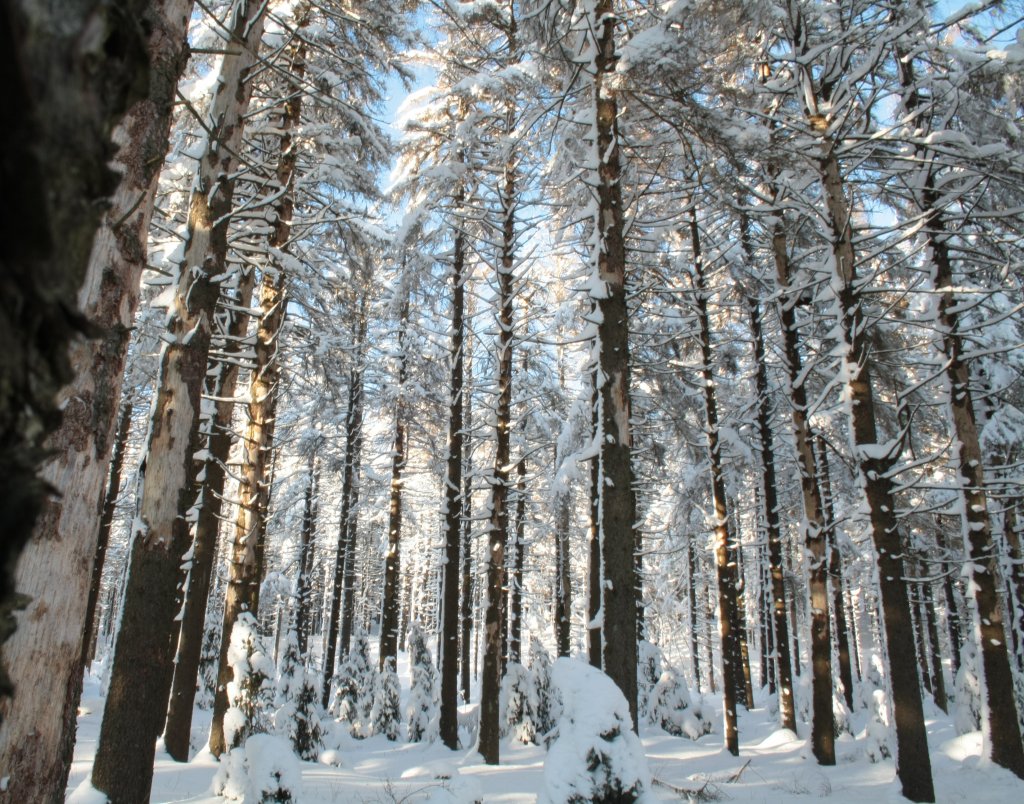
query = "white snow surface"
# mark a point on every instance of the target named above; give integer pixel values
(781, 766)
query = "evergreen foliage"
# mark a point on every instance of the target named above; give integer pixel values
(422, 712)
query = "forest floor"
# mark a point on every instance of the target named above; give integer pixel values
(773, 766)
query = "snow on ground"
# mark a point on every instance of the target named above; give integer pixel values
(773, 766)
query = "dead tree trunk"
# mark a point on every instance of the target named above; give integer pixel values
(132, 718)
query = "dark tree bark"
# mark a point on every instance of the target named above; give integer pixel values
(303, 586)
(594, 550)
(453, 513)
(136, 703)
(617, 496)
(835, 570)
(515, 626)
(391, 606)
(769, 492)
(355, 440)
(874, 468)
(466, 613)
(563, 573)
(490, 727)
(724, 546)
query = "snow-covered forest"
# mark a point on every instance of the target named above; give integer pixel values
(512, 400)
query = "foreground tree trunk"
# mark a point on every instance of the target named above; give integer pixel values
(874, 465)
(137, 699)
(68, 264)
(617, 497)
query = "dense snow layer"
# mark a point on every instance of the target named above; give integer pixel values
(773, 766)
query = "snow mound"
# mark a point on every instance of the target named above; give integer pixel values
(263, 770)
(595, 757)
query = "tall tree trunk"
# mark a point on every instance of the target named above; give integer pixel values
(594, 546)
(355, 440)
(930, 614)
(691, 553)
(490, 727)
(68, 258)
(211, 484)
(835, 570)
(136, 702)
(874, 466)
(769, 492)
(109, 510)
(391, 605)
(303, 586)
(615, 487)
(515, 630)
(563, 573)
(448, 645)
(466, 606)
(726, 569)
(813, 523)
(71, 72)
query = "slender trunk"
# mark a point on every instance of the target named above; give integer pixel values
(85, 257)
(212, 471)
(874, 467)
(813, 523)
(1003, 724)
(448, 645)
(939, 681)
(515, 636)
(499, 523)
(466, 606)
(563, 573)
(594, 551)
(355, 439)
(617, 495)
(106, 524)
(769, 490)
(136, 701)
(835, 571)
(303, 586)
(724, 545)
(691, 553)
(391, 606)
(344, 552)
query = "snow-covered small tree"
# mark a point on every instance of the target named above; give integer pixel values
(516, 714)
(422, 710)
(264, 770)
(355, 685)
(298, 715)
(648, 675)
(544, 703)
(596, 756)
(251, 687)
(874, 696)
(386, 714)
(208, 665)
(671, 708)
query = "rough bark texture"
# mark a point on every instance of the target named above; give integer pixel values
(466, 613)
(913, 764)
(515, 585)
(69, 263)
(617, 496)
(563, 573)
(780, 632)
(594, 548)
(136, 702)
(304, 587)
